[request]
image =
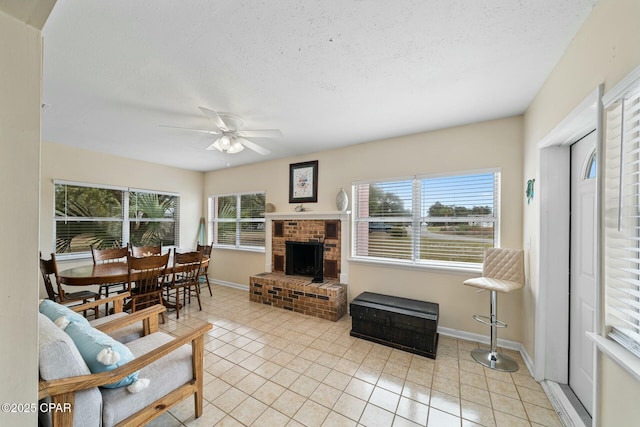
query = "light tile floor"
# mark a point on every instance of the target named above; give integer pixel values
(266, 366)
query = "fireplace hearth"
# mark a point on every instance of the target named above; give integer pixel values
(305, 259)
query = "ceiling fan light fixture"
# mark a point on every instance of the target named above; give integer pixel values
(235, 147)
(227, 144)
(224, 142)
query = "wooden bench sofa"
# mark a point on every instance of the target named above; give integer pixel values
(173, 366)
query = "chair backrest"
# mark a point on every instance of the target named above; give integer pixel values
(109, 255)
(205, 249)
(147, 273)
(49, 269)
(186, 268)
(148, 250)
(504, 264)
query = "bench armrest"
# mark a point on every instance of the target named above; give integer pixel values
(117, 300)
(148, 316)
(72, 384)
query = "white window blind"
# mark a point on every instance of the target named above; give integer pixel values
(622, 216)
(153, 218)
(426, 220)
(87, 215)
(107, 216)
(237, 220)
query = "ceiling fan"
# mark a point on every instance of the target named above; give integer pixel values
(231, 137)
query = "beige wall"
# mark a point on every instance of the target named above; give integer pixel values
(20, 71)
(72, 164)
(603, 51)
(619, 396)
(494, 144)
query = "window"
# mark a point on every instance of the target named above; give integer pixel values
(427, 220)
(88, 215)
(622, 215)
(153, 218)
(237, 220)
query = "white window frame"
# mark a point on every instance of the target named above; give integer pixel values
(621, 212)
(416, 219)
(214, 220)
(125, 219)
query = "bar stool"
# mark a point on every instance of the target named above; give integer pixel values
(502, 271)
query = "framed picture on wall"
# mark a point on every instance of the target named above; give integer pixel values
(303, 182)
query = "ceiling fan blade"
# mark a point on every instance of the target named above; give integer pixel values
(210, 132)
(253, 146)
(215, 118)
(260, 133)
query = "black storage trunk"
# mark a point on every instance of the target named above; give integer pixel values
(402, 323)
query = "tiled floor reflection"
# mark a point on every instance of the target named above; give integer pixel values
(271, 367)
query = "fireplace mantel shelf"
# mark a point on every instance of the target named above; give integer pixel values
(308, 215)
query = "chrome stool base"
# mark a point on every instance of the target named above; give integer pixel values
(494, 360)
(490, 357)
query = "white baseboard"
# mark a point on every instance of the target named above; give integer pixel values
(470, 336)
(229, 284)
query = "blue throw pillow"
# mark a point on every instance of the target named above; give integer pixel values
(55, 311)
(101, 352)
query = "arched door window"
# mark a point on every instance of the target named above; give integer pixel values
(590, 170)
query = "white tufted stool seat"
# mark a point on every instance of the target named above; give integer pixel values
(502, 271)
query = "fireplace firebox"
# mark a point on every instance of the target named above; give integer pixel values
(305, 259)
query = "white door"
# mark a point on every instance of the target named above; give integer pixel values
(582, 285)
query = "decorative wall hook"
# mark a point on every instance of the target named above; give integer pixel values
(530, 190)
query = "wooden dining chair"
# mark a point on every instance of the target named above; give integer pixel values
(185, 278)
(146, 276)
(147, 250)
(101, 256)
(55, 292)
(204, 269)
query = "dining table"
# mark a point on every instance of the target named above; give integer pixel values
(110, 273)
(103, 274)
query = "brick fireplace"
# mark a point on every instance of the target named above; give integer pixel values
(303, 290)
(331, 228)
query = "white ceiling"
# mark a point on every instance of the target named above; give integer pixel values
(326, 73)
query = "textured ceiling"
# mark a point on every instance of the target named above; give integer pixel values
(326, 73)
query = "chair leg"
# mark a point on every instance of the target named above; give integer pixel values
(96, 309)
(491, 358)
(206, 277)
(197, 296)
(106, 295)
(177, 303)
(161, 301)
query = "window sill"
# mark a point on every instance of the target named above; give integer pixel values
(441, 268)
(239, 248)
(623, 357)
(73, 257)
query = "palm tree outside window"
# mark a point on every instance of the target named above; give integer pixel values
(106, 217)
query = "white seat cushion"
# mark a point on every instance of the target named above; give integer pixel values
(165, 375)
(58, 358)
(502, 270)
(493, 284)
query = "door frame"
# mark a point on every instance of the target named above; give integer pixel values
(551, 336)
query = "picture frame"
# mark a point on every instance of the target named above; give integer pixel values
(303, 182)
